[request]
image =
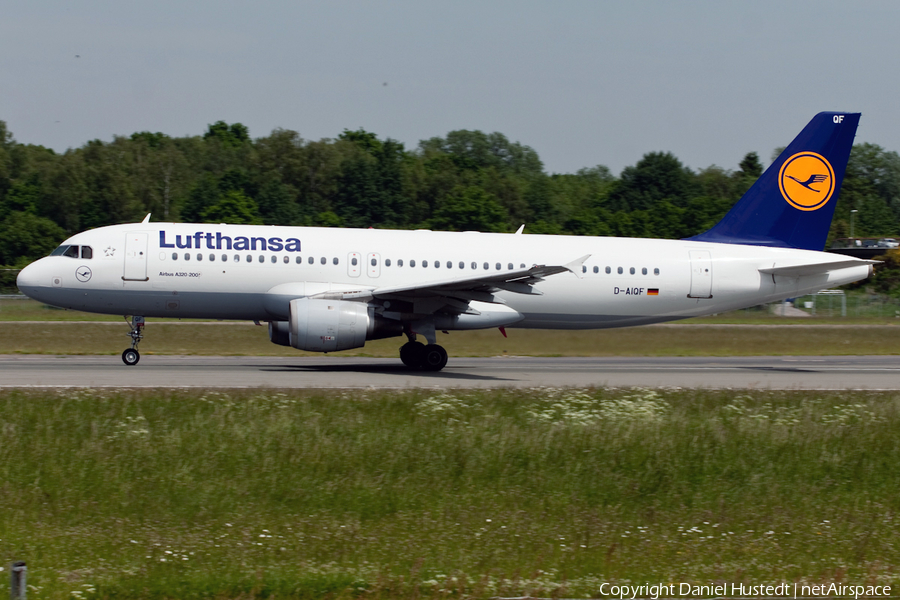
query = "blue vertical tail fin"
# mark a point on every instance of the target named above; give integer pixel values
(792, 203)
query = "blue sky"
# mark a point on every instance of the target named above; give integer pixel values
(583, 83)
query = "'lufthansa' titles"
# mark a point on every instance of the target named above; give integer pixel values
(217, 241)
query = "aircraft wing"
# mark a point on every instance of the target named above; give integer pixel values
(816, 268)
(457, 292)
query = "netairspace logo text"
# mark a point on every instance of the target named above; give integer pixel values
(781, 590)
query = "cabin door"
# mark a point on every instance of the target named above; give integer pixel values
(135, 257)
(701, 274)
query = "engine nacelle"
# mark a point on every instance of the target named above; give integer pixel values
(328, 325)
(280, 333)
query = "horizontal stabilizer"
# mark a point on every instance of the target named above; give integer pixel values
(816, 268)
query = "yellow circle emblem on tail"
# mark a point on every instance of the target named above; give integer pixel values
(806, 181)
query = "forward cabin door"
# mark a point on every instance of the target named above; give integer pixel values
(701, 274)
(135, 257)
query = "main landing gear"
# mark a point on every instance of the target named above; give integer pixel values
(417, 355)
(131, 356)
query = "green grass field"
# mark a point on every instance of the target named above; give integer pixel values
(415, 495)
(246, 339)
(27, 327)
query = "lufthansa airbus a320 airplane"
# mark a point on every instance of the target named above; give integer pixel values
(325, 290)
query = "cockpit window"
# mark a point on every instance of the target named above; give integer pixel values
(59, 251)
(87, 252)
(71, 251)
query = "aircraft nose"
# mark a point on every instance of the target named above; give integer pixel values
(28, 279)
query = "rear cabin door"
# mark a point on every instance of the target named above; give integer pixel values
(701, 274)
(135, 257)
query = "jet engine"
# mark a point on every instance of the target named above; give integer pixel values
(319, 325)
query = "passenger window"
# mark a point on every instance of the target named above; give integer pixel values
(298, 260)
(374, 262)
(608, 270)
(644, 271)
(449, 264)
(87, 252)
(275, 259)
(237, 258)
(262, 258)
(199, 256)
(354, 261)
(486, 266)
(187, 256)
(462, 265)
(387, 262)
(212, 258)
(474, 265)
(583, 269)
(249, 258)
(311, 260)
(72, 252)
(499, 266)
(437, 264)
(522, 266)
(174, 256)
(224, 258)
(656, 271)
(620, 270)
(399, 262)
(412, 263)
(287, 259)
(322, 260)
(334, 260)
(631, 270)
(424, 263)
(510, 266)
(596, 269)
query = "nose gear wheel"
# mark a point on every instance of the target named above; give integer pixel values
(131, 356)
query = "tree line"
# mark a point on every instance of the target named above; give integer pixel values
(467, 180)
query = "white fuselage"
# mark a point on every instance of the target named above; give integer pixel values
(625, 281)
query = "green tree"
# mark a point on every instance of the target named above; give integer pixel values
(469, 209)
(875, 218)
(278, 206)
(204, 194)
(871, 183)
(232, 207)
(370, 185)
(229, 135)
(750, 166)
(657, 176)
(478, 150)
(25, 237)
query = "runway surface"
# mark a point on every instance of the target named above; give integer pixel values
(762, 372)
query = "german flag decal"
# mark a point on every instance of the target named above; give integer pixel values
(653, 291)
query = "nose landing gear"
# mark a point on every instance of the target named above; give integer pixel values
(131, 356)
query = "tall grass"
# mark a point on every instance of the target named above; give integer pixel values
(308, 494)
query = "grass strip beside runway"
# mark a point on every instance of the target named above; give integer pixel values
(423, 494)
(225, 339)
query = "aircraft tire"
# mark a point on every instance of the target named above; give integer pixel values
(411, 354)
(434, 358)
(131, 357)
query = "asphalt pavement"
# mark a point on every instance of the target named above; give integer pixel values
(760, 372)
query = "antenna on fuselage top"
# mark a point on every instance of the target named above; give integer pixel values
(146, 219)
